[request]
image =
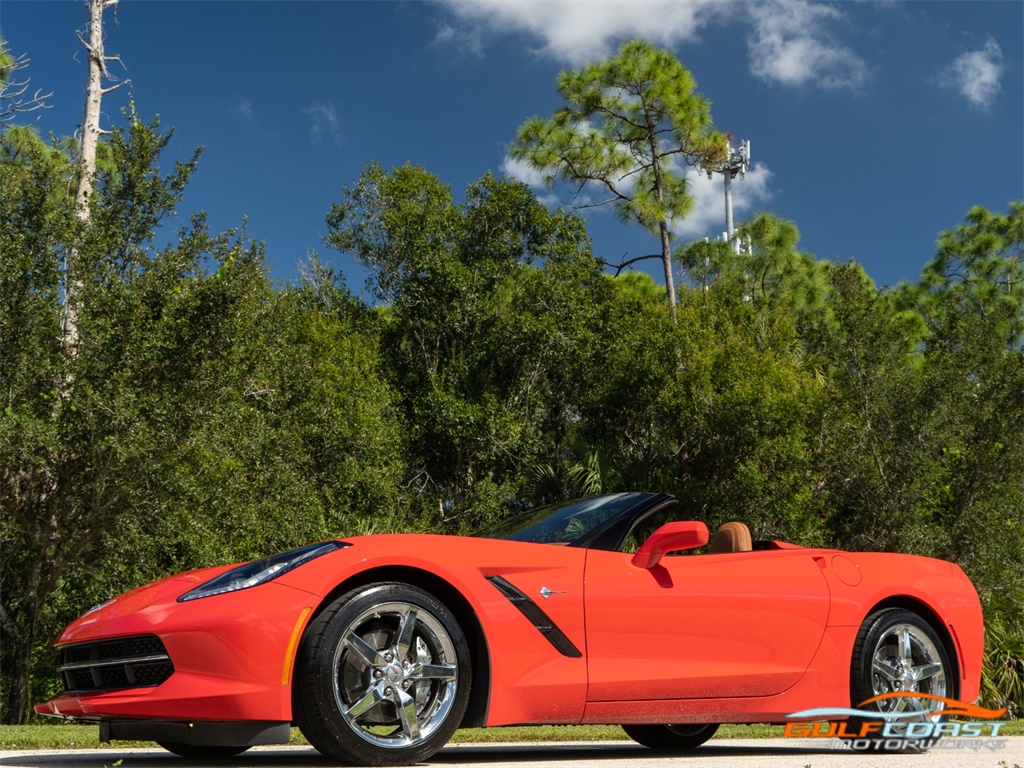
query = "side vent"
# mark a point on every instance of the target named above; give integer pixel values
(537, 617)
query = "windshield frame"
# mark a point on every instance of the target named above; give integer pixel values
(549, 524)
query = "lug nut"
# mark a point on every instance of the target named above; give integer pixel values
(388, 691)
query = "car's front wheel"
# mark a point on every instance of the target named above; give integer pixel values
(383, 676)
(671, 737)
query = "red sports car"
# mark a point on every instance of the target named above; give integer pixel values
(380, 647)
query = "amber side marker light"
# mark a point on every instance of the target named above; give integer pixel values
(293, 643)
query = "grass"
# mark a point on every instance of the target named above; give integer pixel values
(87, 736)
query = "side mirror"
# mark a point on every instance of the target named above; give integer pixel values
(671, 537)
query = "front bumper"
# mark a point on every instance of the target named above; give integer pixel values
(232, 655)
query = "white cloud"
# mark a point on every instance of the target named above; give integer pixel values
(708, 214)
(520, 170)
(523, 171)
(244, 108)
(976, 74)
(324, 122)
(575, 31)
(467, 37)
(791, 44)
(790, 41)
(445, 34)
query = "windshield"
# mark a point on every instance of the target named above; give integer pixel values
(571, 522)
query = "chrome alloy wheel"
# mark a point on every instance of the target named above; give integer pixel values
(395, 675)
(898, 666)
(907, 660)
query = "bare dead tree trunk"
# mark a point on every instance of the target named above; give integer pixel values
(666, 245)
(91, 133)
(666, 259)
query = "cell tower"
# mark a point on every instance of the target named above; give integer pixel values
(737, 164)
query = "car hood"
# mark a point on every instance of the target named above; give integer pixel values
(166, 590)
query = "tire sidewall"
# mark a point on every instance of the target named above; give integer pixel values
(315, 674)
(875, 627)
(878, 625)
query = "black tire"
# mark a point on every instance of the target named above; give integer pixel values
(675, 738)
(201, 753)
(382, 677)
(893, 647)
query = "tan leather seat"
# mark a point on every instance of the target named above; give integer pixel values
(731, 537)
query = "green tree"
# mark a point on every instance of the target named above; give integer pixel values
(779, 272)
(922, 443)
(483, 299)
(981, 262)
(44, 448)
(973, 399)
(629, 128)
(771, 268)
(205, 417)
(873, 470)
(706, 261)
(719, 410)
(36, 221)
(747, 405)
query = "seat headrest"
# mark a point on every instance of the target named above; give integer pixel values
(731, 537)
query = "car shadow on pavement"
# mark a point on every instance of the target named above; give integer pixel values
(158, 758)
(497, 753)
(458, 754)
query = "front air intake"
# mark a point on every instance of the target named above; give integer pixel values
(109, 665)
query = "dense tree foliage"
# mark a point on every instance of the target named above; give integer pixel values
(206, 415)
(980, 265)
(483, 299)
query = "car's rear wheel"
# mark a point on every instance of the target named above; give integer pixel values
(383, 676)
(201, 753)
(671, 737)
(898, 652)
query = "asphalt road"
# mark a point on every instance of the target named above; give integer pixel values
(723, 753)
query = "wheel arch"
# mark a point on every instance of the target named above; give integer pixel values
(926, 612)
(479, 695)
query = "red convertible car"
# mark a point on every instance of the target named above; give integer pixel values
(594, 611)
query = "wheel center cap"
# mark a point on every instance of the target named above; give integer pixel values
(394, 673)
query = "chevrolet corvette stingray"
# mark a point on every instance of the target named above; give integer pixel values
(602, 610)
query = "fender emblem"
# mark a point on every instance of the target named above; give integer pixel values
(546, 593)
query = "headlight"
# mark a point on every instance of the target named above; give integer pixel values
(261, 571)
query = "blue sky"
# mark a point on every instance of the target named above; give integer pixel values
(873, 125)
